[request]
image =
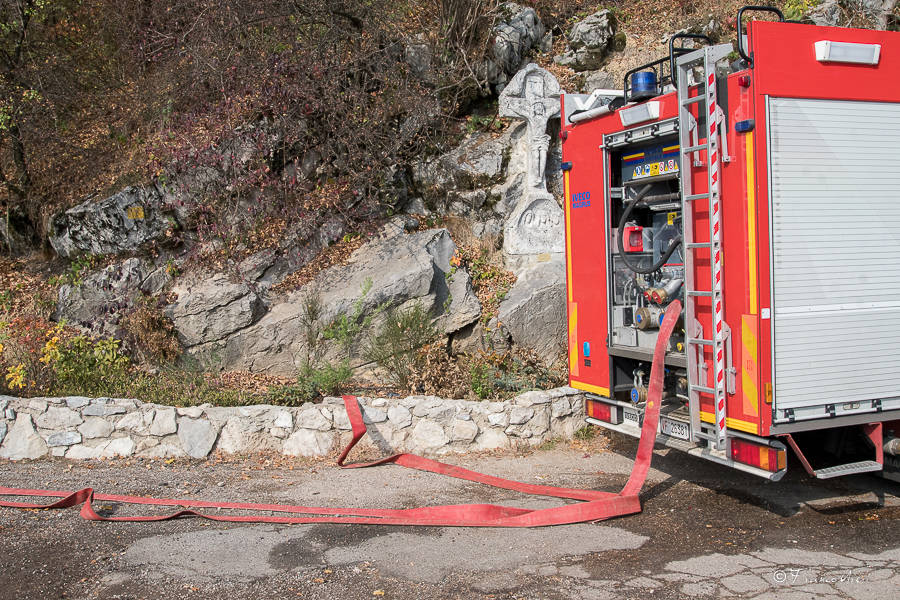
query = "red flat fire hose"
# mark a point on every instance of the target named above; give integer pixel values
(596, 505)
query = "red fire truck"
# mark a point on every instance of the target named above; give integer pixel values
(762, 189)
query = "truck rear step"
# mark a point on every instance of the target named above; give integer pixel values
(863, 466)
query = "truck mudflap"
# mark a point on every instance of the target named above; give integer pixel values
(596, 505)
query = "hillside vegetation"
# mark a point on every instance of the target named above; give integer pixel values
(296, 127)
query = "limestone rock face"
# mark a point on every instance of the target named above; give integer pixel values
(534, 310)
(124, 221)
(477, 162)
(22, 441)
(830, 13)
(590, 41)
(394, 269)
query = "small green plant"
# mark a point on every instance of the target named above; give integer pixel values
(549, 444)
(795, 10)
(172, 269)
(483, 123)
(6, 297)
(75, 272)
(586, 433)
(395, 345)
(346, 328)
(481, 380)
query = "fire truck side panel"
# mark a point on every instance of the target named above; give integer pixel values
(586, 265)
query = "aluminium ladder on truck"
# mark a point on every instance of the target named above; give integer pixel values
(704, 60)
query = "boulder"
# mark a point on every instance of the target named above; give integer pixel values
(491, 439)
(197, 436)
(463, 431)
(77, 401)
(163, 422)
(58, 417)
(98, 303)
(311, 417)
(210, 309)
(479, 161)
(64, 438)
(3, 429)
(520, 415)
(599, 80)
(284, 420)
(22, 441)
(399, 416)
(518, 31)
(240, 435)
(833, 13)
(102, 409)
(120, 447)
(307, 442)
(534, 310)
(417, 53)
(590, 41)
(96, 427)
(429, 435)
(122, 222)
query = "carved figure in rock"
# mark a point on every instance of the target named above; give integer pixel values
(535, 225)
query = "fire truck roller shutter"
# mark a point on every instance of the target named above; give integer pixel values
(835, 219)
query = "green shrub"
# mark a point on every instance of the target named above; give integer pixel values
(86, 366)
(394, 347)
(328, 380)
(180, 387)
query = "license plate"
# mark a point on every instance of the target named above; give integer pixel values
(632, 416)
(676, 429)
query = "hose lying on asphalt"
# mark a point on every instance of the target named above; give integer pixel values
(595, 505)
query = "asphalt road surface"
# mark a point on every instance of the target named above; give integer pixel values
(705, 532)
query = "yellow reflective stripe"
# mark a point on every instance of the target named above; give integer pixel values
(749, 372)
(730, 423)
(751, 225)
(568, 236)
(573, 339)
(587, 387)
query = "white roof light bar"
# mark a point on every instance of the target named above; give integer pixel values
(647, 111)
(846, 52)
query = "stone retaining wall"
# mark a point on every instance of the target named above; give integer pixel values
(80, 428)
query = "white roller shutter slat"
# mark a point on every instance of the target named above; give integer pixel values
(835, 210)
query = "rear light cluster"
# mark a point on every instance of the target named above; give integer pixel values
(757, 455)
(599, 410)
